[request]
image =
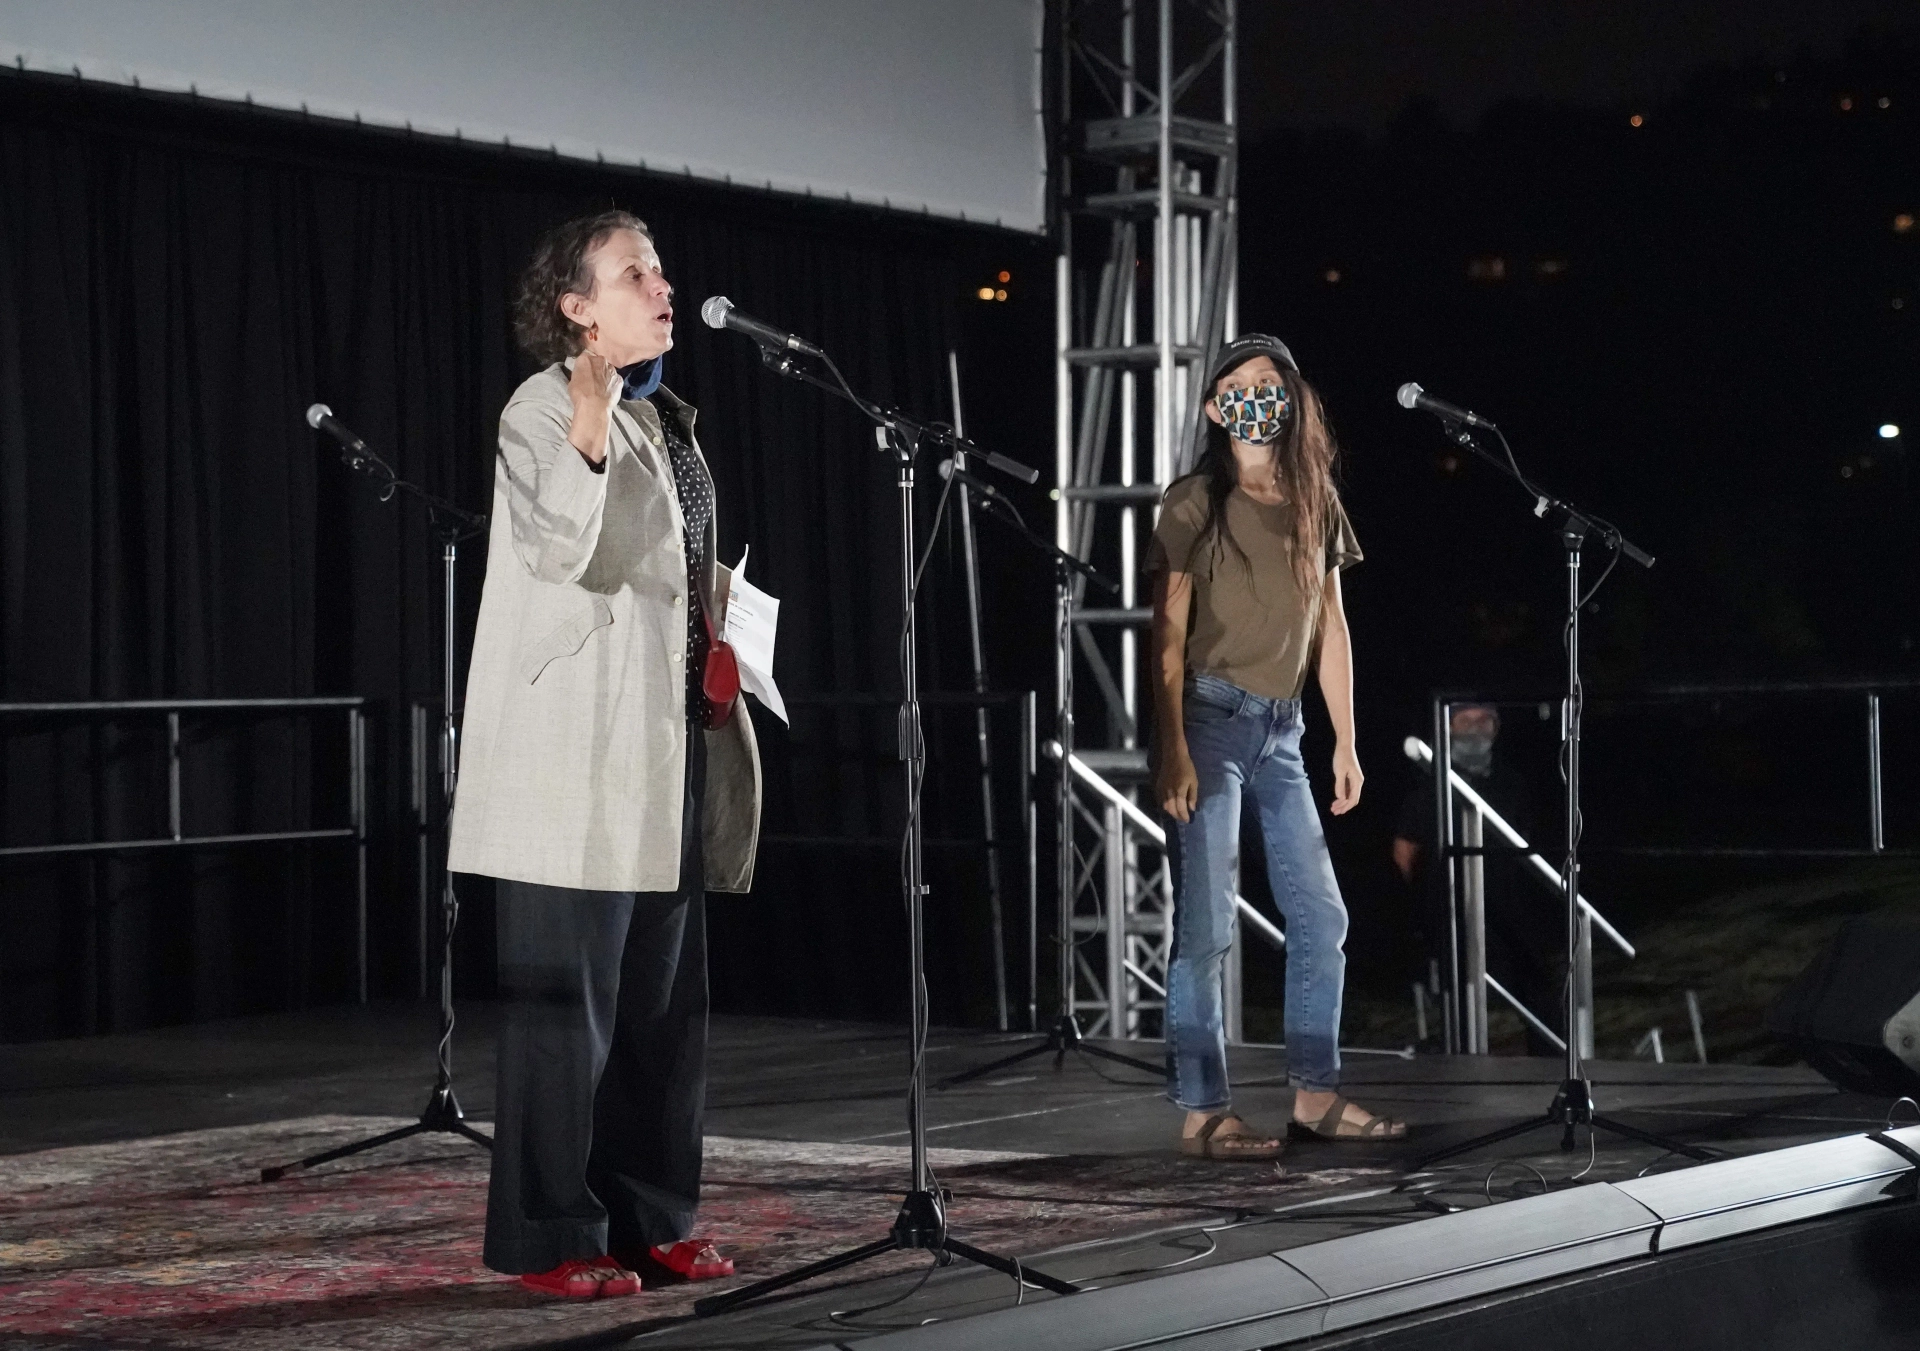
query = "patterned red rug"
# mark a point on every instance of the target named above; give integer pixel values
(170, 1242)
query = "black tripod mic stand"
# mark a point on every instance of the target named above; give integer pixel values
(452, 524)
(1063, 1034)
(921, 1224)
(1572, 1104)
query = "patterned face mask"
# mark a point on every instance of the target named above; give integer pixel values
(1254, 415)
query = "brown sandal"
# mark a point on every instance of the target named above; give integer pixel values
(1209, 1142)
(1333, 1126)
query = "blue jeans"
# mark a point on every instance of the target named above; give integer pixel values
(1243, 744)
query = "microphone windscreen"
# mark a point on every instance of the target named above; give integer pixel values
(315, 413)
(1409, 395)
(714, 311)
(946, 468)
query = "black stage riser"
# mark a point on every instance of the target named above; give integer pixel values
(1432, 1273)
(1848, 1281)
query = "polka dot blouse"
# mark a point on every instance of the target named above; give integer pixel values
(696, 510)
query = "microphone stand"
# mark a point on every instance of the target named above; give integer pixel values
(921, 1223)
(1064, 1034)
(452, 524)
(1572, 1104)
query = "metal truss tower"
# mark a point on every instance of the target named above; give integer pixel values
(1146, 211)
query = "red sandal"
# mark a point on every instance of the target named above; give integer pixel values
(615, 1278)
(682, 1259)
(572, 1279)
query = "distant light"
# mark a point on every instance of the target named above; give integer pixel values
(1846, 105)
(1487, 269)
(1883, 102)
(1903, 223)
(1889, 430)
(1636, 121)
(1333, 276)
(985, 293)
(1550, 267)
(1898, 302)
(999, 295)
(1005, 277)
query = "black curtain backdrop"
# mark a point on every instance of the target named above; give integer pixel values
(178, 281)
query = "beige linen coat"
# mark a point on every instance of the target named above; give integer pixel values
(573, 769)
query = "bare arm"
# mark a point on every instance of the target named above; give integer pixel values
(1336, 687)
(1175, 784)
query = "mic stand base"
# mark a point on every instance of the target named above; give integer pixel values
(1064, 1033)
(1572, 1106)
(919, 1227)
(442, 1114)
(1062, 1037)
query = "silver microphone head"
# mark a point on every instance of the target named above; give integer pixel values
(714, 311)
(315, 413)
(946, 467)
(1409, 395)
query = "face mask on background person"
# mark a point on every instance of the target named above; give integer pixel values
(1473, 753)
(1255, 414)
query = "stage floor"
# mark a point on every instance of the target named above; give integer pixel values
(131, 1211)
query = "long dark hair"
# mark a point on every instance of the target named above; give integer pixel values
(1303, 457)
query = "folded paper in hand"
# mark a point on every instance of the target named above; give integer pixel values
(752, 616)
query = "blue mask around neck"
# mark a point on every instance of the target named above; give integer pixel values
(642, 377)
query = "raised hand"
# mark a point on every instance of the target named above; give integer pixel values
(595, 389)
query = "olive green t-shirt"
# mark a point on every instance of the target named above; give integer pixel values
(1249, 624)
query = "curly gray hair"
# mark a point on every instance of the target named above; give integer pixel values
(559, 267)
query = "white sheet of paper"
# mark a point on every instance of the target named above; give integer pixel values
(753, 617)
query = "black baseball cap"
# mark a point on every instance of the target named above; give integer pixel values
(1244, 349)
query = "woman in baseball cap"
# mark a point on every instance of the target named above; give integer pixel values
(1246, 559)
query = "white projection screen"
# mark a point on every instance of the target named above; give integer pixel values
(918, 105)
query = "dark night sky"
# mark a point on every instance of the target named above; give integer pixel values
(1356, 62)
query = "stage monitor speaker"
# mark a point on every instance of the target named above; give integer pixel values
(1854, 1013)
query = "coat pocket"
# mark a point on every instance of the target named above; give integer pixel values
(565, 640)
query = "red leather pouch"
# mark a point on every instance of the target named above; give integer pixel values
(720, 679)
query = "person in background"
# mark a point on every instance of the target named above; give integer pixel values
(1522, 918)
(1246, 561)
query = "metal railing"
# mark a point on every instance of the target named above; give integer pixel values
(1465, 1005)
(430, 810)
(1467, 815)
(1870, 693)
(176, 837)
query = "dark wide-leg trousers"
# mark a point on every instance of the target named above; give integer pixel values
(602, 1063)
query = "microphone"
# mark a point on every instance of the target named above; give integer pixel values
(949, 470)
(1412, 396)
(718, 312)
(321, 419)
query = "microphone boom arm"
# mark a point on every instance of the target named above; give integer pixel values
(1544, 503)
(781, 362)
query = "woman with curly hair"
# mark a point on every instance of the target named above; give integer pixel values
(599, 785)
(1246, 558)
